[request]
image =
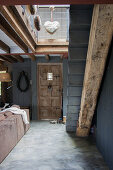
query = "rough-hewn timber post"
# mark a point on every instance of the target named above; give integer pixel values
(99, 42)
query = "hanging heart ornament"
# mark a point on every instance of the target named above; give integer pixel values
(51, 27)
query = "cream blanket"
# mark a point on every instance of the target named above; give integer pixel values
(15, 110)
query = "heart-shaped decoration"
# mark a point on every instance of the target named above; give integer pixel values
(51, 27)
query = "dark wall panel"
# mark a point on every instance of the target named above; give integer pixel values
(21, 98)
(105, 114)
(76, 67)
(77, 37)
(78, 53)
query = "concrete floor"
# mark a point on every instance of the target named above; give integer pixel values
(48, 147)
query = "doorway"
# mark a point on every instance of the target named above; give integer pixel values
(49, 91)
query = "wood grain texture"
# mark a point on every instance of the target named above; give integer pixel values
(23, 19)
(49, 99)
(18, 57)
(9, 31)
(52, 49)
(8, 59)
(49, 42)
(57, 2)
(4, 47)
(10, 16)
(18, 34)
(99, 42)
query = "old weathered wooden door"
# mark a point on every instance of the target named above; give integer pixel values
(49, 91)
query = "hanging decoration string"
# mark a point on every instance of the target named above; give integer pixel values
(52, 8)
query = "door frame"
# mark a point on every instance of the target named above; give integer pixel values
(38, 93)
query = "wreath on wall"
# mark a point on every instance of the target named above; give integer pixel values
(22, 76)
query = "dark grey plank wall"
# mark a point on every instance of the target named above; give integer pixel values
(80, 21)
(104, 132)
(21, 98)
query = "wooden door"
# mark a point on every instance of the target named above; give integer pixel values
(49, 91)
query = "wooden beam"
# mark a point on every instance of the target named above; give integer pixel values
(55, 2)
(52, 46)
(33, 54)
(18, 58)
(10, 16)
(64, 56)
(61, 56)
(9, 31)
(52, 49)
(23, 19)
(5, 59)
(8, 59)
(99, 41)
(55, 42)
(4, 47)
(1, 62)
(47, 57)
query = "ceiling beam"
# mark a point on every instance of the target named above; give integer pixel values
(47, 57)
(57, 2)
(3, 59)
(49, 42)
(37, 53)
(8, 59)
(4, 47)
(13, 20)
(1, 62)
(18, 58)
(99, 41)
(52, 49)
(23, 19)
(52, 46)
(9, 31)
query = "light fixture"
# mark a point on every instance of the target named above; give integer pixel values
(5, 77)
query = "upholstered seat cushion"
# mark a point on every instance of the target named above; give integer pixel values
(8, 113)
(2, 117)
(8, 136)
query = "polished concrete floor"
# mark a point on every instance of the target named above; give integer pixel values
(48, 147)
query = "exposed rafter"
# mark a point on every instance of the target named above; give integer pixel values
(18, 57)
(52, 50)
(4, 47)
(23, 19)
(14, 21)
(99, 42)
(47, 57)
(54, 42)
(61, 51)
(57, 2)
(8, 59)
(52, 46)
(1, 62)
(9, 31)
